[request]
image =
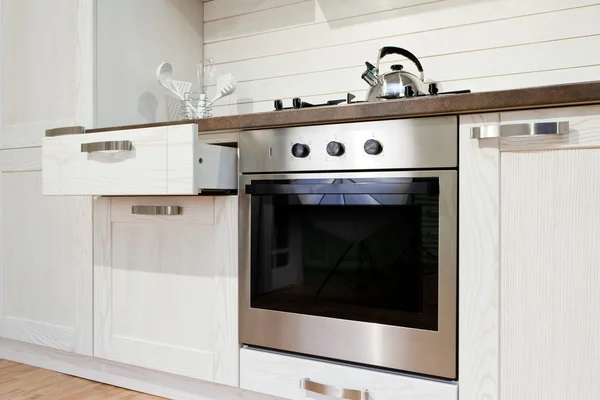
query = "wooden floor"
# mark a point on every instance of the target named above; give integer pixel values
(21, 382)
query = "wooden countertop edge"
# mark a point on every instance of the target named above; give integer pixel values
(586, 93)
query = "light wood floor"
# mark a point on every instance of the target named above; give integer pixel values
(24, 382)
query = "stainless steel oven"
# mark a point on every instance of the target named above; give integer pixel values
(348, 242)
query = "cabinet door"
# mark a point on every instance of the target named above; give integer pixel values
(550, 257)
(47, 78)
(45, 259)
(166, 285)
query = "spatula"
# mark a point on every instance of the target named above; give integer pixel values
(226, 85)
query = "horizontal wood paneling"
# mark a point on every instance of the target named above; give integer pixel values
(424, 18)
(316, 49)
(219, 9)
(298, 14)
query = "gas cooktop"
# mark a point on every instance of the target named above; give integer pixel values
(297, 102)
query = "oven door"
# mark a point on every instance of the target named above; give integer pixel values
(358, 267)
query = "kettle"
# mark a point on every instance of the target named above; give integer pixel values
(396, 83)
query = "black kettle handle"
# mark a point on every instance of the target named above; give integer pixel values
(400, 51)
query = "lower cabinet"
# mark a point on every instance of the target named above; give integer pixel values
(165, 284)
(282, 375)
(529, 255)
(45, 259)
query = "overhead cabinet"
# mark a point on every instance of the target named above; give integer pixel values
(166, 160)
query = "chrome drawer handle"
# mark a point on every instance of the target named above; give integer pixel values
(119, 145)
(333, 391)
(530, 129)
(68, 130)
(156, 210)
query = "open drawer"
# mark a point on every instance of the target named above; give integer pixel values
(165, 160)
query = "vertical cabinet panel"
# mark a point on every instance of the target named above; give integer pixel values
(45, 259)
(479, 261)
(166, 286)
(550, 280)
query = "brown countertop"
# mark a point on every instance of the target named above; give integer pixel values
(517, 99)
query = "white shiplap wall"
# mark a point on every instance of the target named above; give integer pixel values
(316, 49)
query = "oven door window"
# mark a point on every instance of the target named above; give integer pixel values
(355, 249)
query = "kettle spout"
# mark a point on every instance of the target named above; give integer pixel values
(371, 75)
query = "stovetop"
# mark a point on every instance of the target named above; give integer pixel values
(297, 102)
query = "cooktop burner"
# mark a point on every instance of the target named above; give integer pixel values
(297, 102)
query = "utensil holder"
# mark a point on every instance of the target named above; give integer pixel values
(196, 105)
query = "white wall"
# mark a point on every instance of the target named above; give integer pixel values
(133, 38)
(317, 48)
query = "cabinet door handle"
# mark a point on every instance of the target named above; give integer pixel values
(119, 145)
(527, 129)
(333, 391)
(68, 130)
(156, 210)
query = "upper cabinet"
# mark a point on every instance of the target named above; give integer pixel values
(530, 294)
(132, 38)
(47, 68)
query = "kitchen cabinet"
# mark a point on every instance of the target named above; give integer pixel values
(47, 68)
(534, 333)
(165, 284)
(45, 259)
(281, 375)
(163, 160)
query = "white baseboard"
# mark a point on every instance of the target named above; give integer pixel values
(122, 375)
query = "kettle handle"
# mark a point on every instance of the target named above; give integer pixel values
(403, 52)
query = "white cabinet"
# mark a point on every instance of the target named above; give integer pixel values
(47, 68)
(529, 328)
(165, 286)
(281, 375)
(164, 160)
(550, 258)
(45, 259)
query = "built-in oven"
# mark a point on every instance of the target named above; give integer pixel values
(348, 242)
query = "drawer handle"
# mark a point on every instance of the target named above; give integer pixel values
(528, 129)
(119, 145)
(333, 391)
(156, 210)
(69, 130)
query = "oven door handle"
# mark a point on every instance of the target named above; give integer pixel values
(258, 188)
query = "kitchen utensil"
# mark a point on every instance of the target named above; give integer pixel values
(182, 87)
(226, 85)
(164, 73)
(393, 84)
(204, 72)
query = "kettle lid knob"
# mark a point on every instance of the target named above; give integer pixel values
(397, 67)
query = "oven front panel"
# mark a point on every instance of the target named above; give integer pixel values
(358, 267)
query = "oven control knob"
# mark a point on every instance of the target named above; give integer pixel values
(300, 150)
(373, 147)
(335, 149)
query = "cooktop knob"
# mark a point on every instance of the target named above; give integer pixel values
(300, 150)
(335, 149)
(373, 147)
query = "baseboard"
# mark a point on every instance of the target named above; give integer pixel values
(122, 375)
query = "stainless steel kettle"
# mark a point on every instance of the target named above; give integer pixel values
(396, 83)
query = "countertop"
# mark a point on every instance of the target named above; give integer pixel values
(585, 93)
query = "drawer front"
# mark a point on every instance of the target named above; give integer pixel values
(151, 161)
(87, 164)
(281, 375)
(545, 129)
